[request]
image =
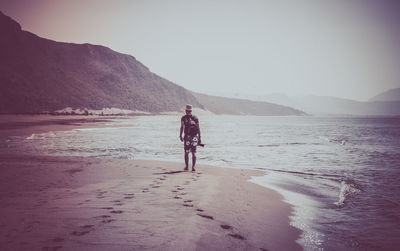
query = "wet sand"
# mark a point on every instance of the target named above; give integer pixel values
(81, 203)
(13, 125)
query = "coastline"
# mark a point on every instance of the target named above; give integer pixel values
(86, 203)
(18, 125)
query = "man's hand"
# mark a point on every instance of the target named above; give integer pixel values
(180, 137)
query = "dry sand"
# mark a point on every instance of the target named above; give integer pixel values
(78, 203)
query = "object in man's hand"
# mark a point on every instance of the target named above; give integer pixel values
(202, 145)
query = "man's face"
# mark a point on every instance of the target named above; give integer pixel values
(188, 112)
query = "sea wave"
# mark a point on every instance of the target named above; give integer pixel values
(346, 190)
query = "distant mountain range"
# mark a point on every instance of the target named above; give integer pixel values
(381, 105)
(390, 95)
(384, 104)
(221, 105)
(39, 75)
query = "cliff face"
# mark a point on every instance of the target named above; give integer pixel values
(39, 75)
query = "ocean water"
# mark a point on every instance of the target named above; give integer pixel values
(341, 174)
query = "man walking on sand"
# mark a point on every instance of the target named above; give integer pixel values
(190, 125)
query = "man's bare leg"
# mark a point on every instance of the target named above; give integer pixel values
(193, 161)
(186, 160)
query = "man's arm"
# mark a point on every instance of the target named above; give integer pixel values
(198, 126)
(181, 130)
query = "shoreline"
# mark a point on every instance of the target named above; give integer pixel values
(86, 203)
(18, 125)
(216, 208)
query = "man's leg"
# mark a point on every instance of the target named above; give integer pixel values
(186, 160)
(193, 160)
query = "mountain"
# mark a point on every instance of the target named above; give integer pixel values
(234, 106)
(38, 74)
(325, 105)
(390, 95)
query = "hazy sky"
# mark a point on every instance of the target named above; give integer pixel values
(344, 48)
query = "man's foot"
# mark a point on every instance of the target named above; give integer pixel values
(186, 168)
(193, 170)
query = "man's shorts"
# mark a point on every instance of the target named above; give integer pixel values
(190, 143)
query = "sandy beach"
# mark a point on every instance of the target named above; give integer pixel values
(84, 203)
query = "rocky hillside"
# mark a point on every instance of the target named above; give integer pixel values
(38, 74)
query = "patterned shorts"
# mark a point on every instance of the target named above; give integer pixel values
(190, 143)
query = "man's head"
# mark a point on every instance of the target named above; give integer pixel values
(188, 109)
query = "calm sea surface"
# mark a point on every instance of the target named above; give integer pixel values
(341, 174)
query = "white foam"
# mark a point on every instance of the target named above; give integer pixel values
(305, 211)
(33, 136)
(102, 128)
(345, 190)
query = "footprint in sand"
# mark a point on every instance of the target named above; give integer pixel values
(79, 233)
(107, 220)
(107, 208)
(206, 216)
(177, 197)
(52, 248)
(119, 204)
(145, 190)
(180, 188)
(227, 227)
(103, 216)
(129, 197)
(237, 236)
(174, 191)
(115, 201)
(188, 201)
(199, 210)
(116, 211)
(155, 186)
(187, 205)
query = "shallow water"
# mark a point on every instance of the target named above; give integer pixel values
(341, 174)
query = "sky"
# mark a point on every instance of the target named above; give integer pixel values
(343, 48)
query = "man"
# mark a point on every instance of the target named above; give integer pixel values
(190, 125)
